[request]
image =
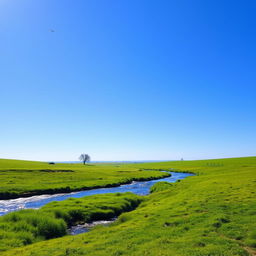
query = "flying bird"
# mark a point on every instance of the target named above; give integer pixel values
(51, 30)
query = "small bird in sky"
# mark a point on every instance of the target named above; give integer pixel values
(52, 30)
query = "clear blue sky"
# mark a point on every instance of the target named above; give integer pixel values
(127, 80)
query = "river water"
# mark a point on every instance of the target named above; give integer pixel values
(86, 227)
(35, 202)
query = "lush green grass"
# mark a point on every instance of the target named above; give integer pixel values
(29, 226)
(91, 208)
(160, 186)
(24, 178)
(212, 213)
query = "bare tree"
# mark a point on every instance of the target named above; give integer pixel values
(84, 158)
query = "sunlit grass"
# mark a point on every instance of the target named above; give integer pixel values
(24, 178)
(212, 213)
(28, 226)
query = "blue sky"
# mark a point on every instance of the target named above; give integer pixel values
(127, 80)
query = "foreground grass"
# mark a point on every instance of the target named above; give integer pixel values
(212, 213)
(26, 178)
(28, 226)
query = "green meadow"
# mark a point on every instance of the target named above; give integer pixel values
(53, 220)
(210, 214)
(26, 178)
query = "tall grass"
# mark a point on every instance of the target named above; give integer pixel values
(28, 226)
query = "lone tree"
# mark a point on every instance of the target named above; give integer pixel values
(84, 158)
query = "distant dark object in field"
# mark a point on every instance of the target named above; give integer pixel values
(84, 158)
(181, 159)
(51, 163)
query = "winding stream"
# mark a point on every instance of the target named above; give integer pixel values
(34, 202)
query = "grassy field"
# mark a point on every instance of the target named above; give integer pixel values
(25, 178)
(28, 226)
(210, 214)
